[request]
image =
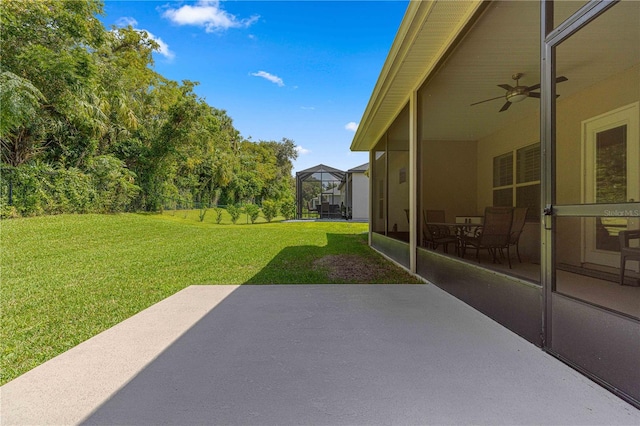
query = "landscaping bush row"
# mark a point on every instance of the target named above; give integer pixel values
(108, 187)
(38, 189)
(270, 209)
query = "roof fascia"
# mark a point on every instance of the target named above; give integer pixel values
(409, 28)
(417, 14)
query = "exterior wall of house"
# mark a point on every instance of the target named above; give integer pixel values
(360, 196)
(398, 190)
(378, 179)
(612, 93)
(448, 177)
(516, 135)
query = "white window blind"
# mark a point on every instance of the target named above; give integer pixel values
(503, 170)
(525, 191)
(528, 163)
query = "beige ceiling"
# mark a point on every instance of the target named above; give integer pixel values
(504, 41)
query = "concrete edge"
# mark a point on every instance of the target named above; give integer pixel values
(90, 373)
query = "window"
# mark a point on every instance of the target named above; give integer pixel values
(525, 191)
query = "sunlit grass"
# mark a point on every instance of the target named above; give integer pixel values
(66, 278)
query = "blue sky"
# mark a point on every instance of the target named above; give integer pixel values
(303, 70)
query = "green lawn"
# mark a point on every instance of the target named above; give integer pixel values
(66, 278)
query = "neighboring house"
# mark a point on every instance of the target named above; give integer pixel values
(517, 104)
(329, 193)
(318, 192)
(356, 188)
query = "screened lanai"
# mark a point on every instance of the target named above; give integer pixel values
(318, 193)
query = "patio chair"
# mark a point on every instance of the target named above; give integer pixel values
(494, 235)
(626, 252)
(323, 209)
(517, 225)
(434, 235)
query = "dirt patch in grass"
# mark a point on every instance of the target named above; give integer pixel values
(353, 268)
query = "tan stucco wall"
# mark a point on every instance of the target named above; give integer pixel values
(360, 196)
(448, 182)
(615, 92)
(517, 135)
(398, 192)
(378, 182)
(514, 136)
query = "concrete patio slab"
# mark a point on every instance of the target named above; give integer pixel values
(308, 354)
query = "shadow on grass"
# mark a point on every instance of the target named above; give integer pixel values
(346, 258)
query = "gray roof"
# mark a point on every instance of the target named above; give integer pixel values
(361, 168)
(321, 168)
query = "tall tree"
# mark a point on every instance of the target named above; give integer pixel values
(48, 44)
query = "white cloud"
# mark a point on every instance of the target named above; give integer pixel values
(352, 126)
(126, 21)
(163, 48)
(272, 78)
(301, 150)
(207, 14)
(308, 108)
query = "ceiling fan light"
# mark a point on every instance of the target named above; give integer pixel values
(517, 97)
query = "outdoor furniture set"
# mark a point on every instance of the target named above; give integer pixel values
(501, 229)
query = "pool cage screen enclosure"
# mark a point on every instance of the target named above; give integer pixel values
(319, 193)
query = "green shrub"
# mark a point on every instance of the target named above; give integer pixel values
(114, 184)
(203, 207)
(252, 211)
(218, 212)
(72, 191)
(269, 209)
(29, 188)
(288, 208)
(235, 212)
(202, 212)
(8, 212)
(35, 189)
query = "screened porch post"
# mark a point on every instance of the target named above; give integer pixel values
(413, 178)
(372, 159)
(547, 167)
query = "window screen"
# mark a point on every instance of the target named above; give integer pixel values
(503, 197)
(529, 196)
(503, 170)
(528, 164)
(525, 191)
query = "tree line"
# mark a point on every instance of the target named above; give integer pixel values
(87, 125)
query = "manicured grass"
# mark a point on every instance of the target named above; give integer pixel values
(66, 278)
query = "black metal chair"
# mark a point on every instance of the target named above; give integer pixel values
(494, 235)
(434, 235)
(626, 252)
(517, 225)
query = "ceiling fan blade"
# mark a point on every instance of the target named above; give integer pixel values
(534, 95)
(506, 86)
(558, 80)
(505, 106)
(487, 100)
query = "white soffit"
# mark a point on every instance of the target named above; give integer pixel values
(428, 29)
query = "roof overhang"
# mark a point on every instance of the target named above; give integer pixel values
(428, 31)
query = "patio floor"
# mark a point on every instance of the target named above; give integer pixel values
(312, 354)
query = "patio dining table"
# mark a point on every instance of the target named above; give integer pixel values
(460, 230)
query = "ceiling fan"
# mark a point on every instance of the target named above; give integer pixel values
(518, 93)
